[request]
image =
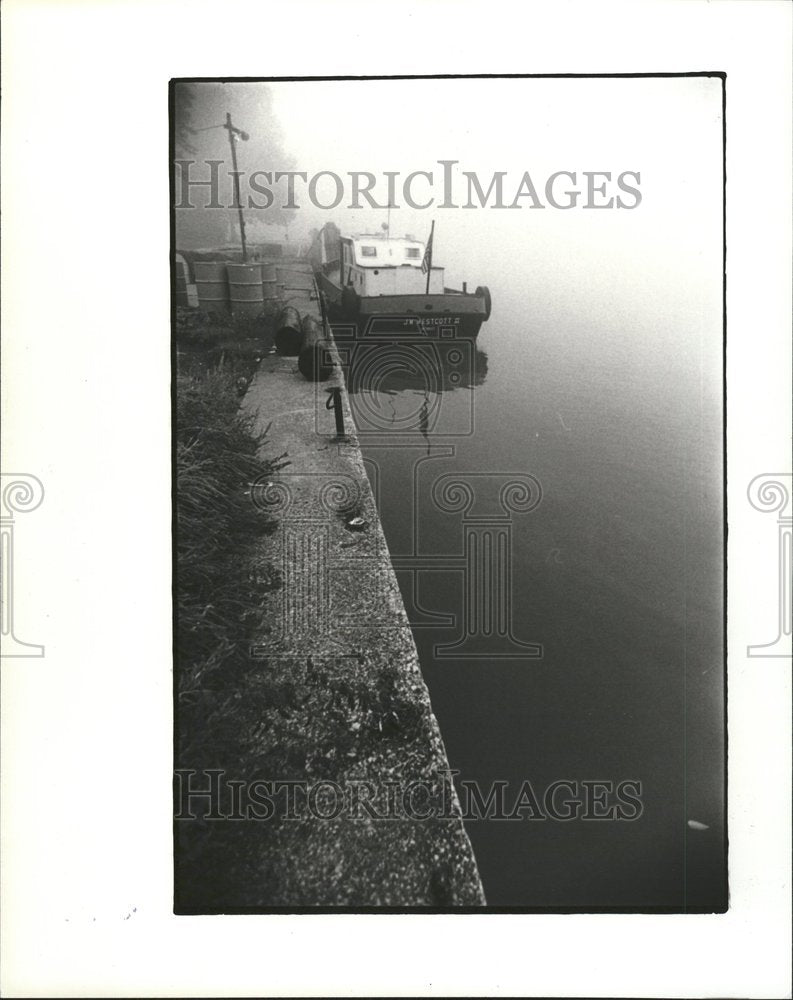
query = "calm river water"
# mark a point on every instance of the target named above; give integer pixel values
(616, 574)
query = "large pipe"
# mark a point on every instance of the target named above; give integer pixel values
(288, 335)
(314, 361)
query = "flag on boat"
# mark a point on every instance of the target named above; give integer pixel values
(426, 264)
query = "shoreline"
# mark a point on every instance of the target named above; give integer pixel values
(334, 634)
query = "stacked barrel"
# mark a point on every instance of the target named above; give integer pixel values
(269, 285)
(180, 283)
(257, 288)
(246, 293)
(212, 285)
(246, 289)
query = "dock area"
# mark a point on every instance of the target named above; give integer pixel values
(383, 828)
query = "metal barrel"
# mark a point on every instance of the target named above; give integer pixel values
(288, 334)
(212, 285)
(269, 285)
(245, 289)
(180, 283)
(314, 360)
(282, 279)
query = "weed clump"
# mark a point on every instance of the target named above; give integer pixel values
(217, 458)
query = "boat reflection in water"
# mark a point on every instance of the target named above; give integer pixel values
(397, 382)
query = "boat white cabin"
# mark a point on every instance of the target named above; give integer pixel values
(378, 265)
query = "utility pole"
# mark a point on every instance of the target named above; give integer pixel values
(233, 133)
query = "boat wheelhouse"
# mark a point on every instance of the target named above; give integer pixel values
(375, 265)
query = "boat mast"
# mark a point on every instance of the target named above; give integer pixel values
(428, 256)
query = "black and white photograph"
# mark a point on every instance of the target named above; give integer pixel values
(449, 493)
(396, 495)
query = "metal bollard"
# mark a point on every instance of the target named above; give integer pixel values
(334, 403)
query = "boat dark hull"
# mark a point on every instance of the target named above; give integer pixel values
(450, 314)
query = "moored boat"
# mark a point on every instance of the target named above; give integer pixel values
(390, 285)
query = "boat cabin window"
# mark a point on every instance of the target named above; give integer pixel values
(412, 252)
(368, 251)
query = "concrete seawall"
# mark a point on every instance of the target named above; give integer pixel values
(336, 625)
